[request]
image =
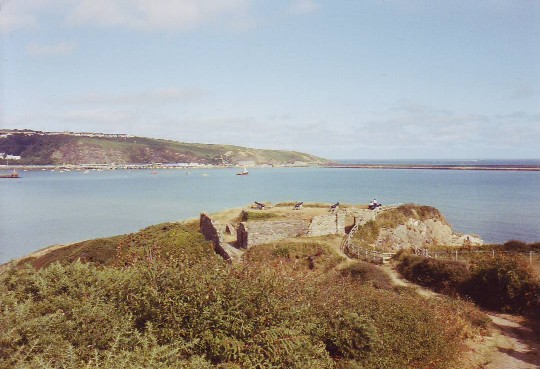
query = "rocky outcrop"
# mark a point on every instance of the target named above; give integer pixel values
(417, 234)
(257, 233)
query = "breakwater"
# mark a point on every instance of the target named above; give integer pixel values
(522, 168)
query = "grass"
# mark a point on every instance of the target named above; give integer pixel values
(254, 216)
(159, 242)
(313, 205)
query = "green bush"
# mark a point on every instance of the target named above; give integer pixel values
(368, 273)
(207, 314)
(446, 276)
(505, 284)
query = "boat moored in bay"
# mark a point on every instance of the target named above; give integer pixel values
(13, 174)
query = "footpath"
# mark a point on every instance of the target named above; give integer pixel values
(510, 344)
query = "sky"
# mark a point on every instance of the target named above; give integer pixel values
(370, 79)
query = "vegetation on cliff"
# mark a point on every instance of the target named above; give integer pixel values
(161, 298)
(69, 149)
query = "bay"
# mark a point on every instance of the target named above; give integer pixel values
(44, 208)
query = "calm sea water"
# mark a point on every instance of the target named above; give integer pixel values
(44, 208)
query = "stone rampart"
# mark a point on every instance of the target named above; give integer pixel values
(362, 216)
(257, 233)
(322, 225)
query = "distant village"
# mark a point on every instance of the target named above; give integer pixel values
(8, 132)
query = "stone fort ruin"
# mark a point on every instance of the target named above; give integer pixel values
(251, 233)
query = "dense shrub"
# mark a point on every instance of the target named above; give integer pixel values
(514, 245)
(504, 283)
(165, 300)
(445, 276)
(208, 314)
(368, 273)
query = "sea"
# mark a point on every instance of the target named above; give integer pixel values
(44, 208)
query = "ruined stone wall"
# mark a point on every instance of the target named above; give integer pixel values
(257, 233)
(322, 225)
(340, 222)
(213, 231)
(362, 216)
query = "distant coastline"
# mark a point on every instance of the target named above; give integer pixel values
(338, 165)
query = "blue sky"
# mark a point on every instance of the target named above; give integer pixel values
(372, 79)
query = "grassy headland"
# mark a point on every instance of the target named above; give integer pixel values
(43, 149)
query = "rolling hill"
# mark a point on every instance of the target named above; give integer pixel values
(40, 148)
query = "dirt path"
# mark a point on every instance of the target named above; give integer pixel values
(511, 344)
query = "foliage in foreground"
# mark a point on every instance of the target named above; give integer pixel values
(166, 301)
(208, 315)
(503, 283)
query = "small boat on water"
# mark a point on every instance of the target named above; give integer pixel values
(153, 172)
(243, 173)
(13, 174)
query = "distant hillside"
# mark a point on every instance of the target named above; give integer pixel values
(45, 148)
